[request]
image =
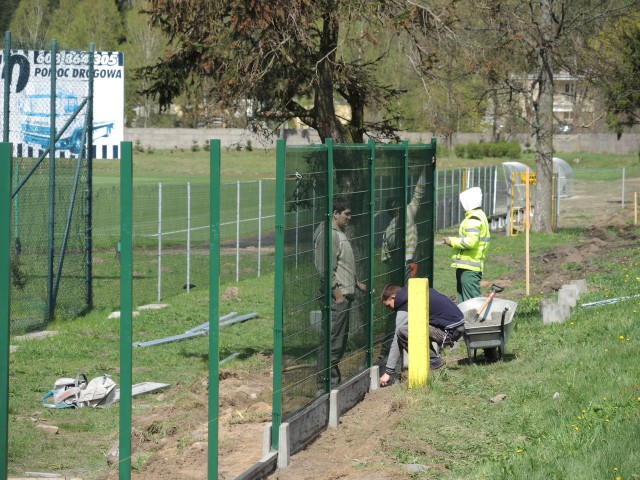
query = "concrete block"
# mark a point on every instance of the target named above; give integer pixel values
(262, 469)
(284, 446)
(153, 306)
(553, 312)
(581, 284)
(374, 378)
(52, 429)
(266, 439)
(353, 392)
(333, 409)
(568, 295)
(116, 315)
(307, 424)
(36, 335)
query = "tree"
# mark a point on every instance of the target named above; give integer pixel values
(522, 45)
(6, 13)
(617, 68)
(289, 58)
(145, 44)
(75, 24)
(30, 22)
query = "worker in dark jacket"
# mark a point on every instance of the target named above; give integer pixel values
(446, 325)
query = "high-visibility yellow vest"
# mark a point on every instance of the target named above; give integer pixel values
(470, 247)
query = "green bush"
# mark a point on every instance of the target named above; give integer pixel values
(460, 150)
(474, 151)
(488, 149)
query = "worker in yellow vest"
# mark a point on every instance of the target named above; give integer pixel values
(470, 246)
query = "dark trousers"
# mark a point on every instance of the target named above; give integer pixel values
(403, 342)
(467, 284)
(339, 339)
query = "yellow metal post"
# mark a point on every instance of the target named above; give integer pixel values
(418, 332)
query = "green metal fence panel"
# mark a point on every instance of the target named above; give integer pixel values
(389, 237)
(422, 165)
(5, 299)
(352, 173)
(306, 200)
(325, 342)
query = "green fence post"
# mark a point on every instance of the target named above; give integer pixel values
(6, 74)
(403, 211)
(328, 269)
(126, 307)
(372, 203)
(89, 188)
(5, 298)
(278, 279)
(52, 182)
(5, 127)
(433, 199)
(214, 314)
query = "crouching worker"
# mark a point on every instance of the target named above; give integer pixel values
(446, 326)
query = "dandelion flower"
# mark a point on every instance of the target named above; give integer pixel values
(519, 450)
(621, 337)
(606, 349)
(575, 428)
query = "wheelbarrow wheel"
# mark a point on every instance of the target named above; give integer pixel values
(492, 354)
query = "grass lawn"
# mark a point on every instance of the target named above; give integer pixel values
(572, 407)
(584, 431)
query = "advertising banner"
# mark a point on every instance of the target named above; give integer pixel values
(30, 101)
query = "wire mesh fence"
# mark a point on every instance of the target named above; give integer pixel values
(171, 235)
(47, 123)
(332, 327)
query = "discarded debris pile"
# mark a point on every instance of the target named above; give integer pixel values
(78, 392)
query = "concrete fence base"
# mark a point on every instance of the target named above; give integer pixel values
(558, 312)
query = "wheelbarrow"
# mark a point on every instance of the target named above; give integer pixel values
(490, 329)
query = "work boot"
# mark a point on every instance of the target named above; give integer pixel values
(435, 364)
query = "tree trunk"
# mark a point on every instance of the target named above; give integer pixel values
(324, 105)
(544, 124)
